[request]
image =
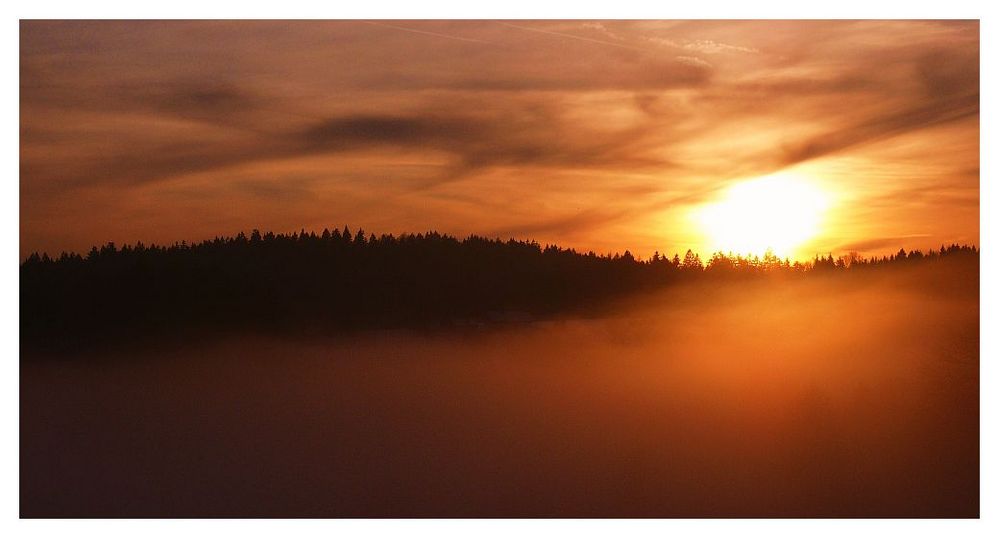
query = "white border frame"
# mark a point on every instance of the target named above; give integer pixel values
(510, 9)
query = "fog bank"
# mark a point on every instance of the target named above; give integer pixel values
(808, 398)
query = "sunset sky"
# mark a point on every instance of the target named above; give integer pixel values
(600, 136)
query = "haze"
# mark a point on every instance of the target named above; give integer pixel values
(825, 397)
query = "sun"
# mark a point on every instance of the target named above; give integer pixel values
(779, 212)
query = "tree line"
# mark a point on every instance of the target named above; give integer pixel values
(338, 280)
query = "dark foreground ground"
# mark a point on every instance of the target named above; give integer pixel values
(808, 398)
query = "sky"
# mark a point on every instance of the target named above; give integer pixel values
(596, 135)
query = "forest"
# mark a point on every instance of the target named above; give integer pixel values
(339, 281)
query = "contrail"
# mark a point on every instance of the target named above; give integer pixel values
(571, 36)
(424, 32)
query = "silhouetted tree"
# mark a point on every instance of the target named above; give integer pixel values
(692, 261)
(343, 281)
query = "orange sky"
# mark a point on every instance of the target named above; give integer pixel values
(596, 135)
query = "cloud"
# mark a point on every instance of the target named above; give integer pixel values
(532, 137)
(567, 35)
(883, 126)
(429, 130)
(708, 46)
(601, 28)
(692, 60)
(114, 111)
(424, 32)
(882, 243)
(523, 135)
(576, 223)
(703, 46)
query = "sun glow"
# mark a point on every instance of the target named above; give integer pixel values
(778, 212)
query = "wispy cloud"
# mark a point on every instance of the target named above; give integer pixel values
(693, 60)
(703, 46)
(567, 129)
(428, 33)
(566, 35)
